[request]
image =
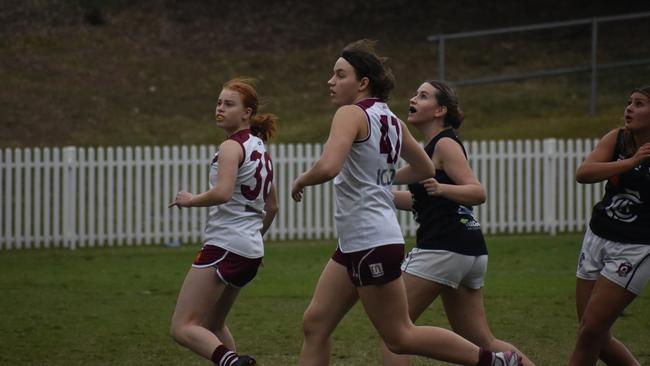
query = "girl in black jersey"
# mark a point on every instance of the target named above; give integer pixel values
(614, 262)
(450, 258)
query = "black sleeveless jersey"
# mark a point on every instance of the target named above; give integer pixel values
(445, 224)
(623, 215)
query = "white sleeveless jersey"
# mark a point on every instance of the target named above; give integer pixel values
(235, 225)
(365, 214)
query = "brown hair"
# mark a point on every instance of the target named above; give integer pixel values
(366, 63)
(645, 90)
(262, 126)
(446, 96)
(629, 145)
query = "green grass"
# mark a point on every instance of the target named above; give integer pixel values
(111, 306)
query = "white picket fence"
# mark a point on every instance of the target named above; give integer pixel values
(77, 197)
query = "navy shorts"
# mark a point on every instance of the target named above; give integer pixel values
(233, 269)
(374, 266)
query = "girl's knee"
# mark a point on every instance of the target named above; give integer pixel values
(312, 322)
(398, 342)
(176, 332)
(592, 332)
(398, 346)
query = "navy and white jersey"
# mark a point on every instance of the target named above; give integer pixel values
(365, 214)
(442, 223)
(235, 225)
(623, 215)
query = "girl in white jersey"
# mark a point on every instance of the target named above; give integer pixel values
(365, 142)
(243, 203)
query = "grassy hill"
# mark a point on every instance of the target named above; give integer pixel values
(122, 72)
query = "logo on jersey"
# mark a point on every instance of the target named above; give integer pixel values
(470, 224)
(624, 269)
(385, 177)
(621, 207)
(376, 270)
(467, 218)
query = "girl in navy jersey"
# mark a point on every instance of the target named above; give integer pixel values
(614, 262)
(242, 203)
(366, 140)
(450, 258)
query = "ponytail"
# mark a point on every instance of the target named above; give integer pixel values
(264, 126)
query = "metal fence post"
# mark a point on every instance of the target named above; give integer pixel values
(594, 65)
(589, 65)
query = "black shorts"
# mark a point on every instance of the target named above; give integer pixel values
(233, 269)
(374, 266)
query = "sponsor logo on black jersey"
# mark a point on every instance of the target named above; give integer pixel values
(621, 206)
(467, 218)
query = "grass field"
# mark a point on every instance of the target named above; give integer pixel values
(111, 306)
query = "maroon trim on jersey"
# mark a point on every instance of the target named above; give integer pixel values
(365, 104)
(240, 137)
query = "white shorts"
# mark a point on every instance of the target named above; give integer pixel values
(447, 268)
(627, 265)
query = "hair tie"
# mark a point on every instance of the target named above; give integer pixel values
(362, 69)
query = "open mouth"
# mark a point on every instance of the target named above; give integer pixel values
(219, 118)
(412, 109)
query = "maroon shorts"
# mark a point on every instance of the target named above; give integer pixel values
(233, 269)
(374, 266)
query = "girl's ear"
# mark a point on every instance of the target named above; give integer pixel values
(364, 83)
(440, 111)
(249, 112)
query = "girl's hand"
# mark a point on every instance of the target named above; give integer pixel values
(182, 199)
(297, 190)
(642, 154)
(432, 186)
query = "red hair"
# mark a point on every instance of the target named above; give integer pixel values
(262, 126)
